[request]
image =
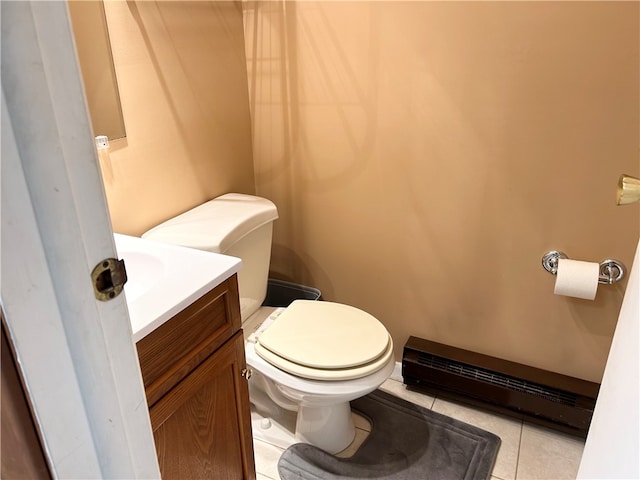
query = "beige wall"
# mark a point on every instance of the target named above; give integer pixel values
(183, 86)
(425, 155)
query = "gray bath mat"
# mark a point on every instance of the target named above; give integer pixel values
(407, 442)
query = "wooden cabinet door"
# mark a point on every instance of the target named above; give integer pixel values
(202, 426)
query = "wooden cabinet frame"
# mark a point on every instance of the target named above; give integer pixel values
(199, 401)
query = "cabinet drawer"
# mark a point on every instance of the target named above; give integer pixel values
(175, 348)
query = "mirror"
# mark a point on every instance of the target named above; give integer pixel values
(89, 25)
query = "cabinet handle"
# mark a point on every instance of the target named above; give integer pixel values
(246, 373)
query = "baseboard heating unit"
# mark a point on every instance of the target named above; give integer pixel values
(546, 398)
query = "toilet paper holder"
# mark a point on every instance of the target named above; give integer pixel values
(611, 271)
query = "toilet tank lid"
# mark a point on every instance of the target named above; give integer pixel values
(216, 224)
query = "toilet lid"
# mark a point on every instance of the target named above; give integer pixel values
(315, 335)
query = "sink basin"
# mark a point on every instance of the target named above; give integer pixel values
(143, 270)
(164, 279)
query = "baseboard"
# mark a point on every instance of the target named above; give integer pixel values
(538, 396)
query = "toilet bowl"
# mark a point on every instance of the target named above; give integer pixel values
(317, 386)
(308, 360)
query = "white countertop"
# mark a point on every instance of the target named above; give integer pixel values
(164, 279)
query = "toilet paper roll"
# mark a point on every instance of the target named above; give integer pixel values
(577, 279)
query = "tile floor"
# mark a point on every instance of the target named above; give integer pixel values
(527, 452)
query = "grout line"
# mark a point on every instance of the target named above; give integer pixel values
(262, 476)
(519, 448)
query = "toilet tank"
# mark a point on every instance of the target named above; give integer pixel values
(233, 224)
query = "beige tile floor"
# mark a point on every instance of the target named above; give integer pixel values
(527, 452)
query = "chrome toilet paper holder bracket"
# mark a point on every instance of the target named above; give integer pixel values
(611, 271)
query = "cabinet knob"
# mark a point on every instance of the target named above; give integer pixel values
(246, 373)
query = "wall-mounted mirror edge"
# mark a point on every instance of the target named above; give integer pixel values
(93, 46)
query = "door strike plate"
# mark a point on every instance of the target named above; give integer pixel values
(108, 279)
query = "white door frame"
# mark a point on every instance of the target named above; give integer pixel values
(612, 449)
(76, 354)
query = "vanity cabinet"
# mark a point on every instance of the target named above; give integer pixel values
(193, 370)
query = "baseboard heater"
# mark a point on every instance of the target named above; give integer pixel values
(546, 398)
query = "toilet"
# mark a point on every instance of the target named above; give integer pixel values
(308, 360)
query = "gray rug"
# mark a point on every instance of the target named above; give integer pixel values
(407, 442)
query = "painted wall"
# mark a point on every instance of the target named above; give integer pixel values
(183, 86)
(425, 155)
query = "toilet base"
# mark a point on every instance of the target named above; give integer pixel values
(329, 428)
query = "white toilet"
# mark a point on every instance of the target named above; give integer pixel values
(308, 360)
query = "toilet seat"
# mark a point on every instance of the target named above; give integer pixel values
(325, 341)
